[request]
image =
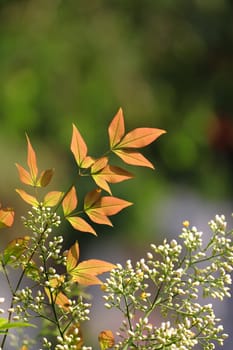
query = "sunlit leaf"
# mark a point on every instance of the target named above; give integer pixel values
(80, 224)
(133, 158)
(95, 266)
(24, 175)
(70, 201)
(110, 205)
(87, 162)
(78, 146)
(4, 324)
(52, 198)
(86, 279)
(106, 339)
(62, 300)
(45, 177)
(99, 164)
(6, 217)
(85, 271)
(116, 129)
(101, 182)
(91, 198)
(99, 208)
(31, 160)
(114, 174)
(72, 257)
(58, 298)
(140, 137)
(28, 198)
(97, 216)
(14, 250)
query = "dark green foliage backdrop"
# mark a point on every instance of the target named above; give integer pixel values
(168, 64)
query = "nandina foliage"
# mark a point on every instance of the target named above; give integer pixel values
(97, 206)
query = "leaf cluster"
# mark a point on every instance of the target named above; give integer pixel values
(57, 278)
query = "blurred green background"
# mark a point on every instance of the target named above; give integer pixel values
(168, 64)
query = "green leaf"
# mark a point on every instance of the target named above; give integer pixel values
(4, 324)
(14, 250)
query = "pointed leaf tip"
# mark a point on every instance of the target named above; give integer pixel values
(24, 175)
(78, 146)
(28, 198)
(70, 201)
(116, 129)
(31, 160)
(140, 137)
(72, 257)
(80, 224)
(132, 157)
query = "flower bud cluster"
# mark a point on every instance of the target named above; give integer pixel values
(26, 304)
(41, 220)
(172, 283)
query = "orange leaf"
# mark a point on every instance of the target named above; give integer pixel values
(96, 168)
(70, 201)
(72, 257)
(133, 158)
(94, 266)
(59, 299)
(116, 129)
(85, 272)
(80, 224)
(101, 182)
(114, 174)
(99, 164)
(86, 279)
(106, 340)
(87, 162)
(31, 160)
(28, 198)
(97, 216)
(140, 137)
(111, 205)
(78, 146)
(110, 174)
(24, 175)
(56, 296)
(91, 198)
(52, 198)
(6, 217)
(45, 177)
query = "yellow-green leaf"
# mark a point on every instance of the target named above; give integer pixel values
(116, 129)
(80, 224)
(52, 198)
(78, 146)
(70, 201)
(72, 257)
(28, 198)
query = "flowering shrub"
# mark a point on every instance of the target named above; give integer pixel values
(170, 283)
